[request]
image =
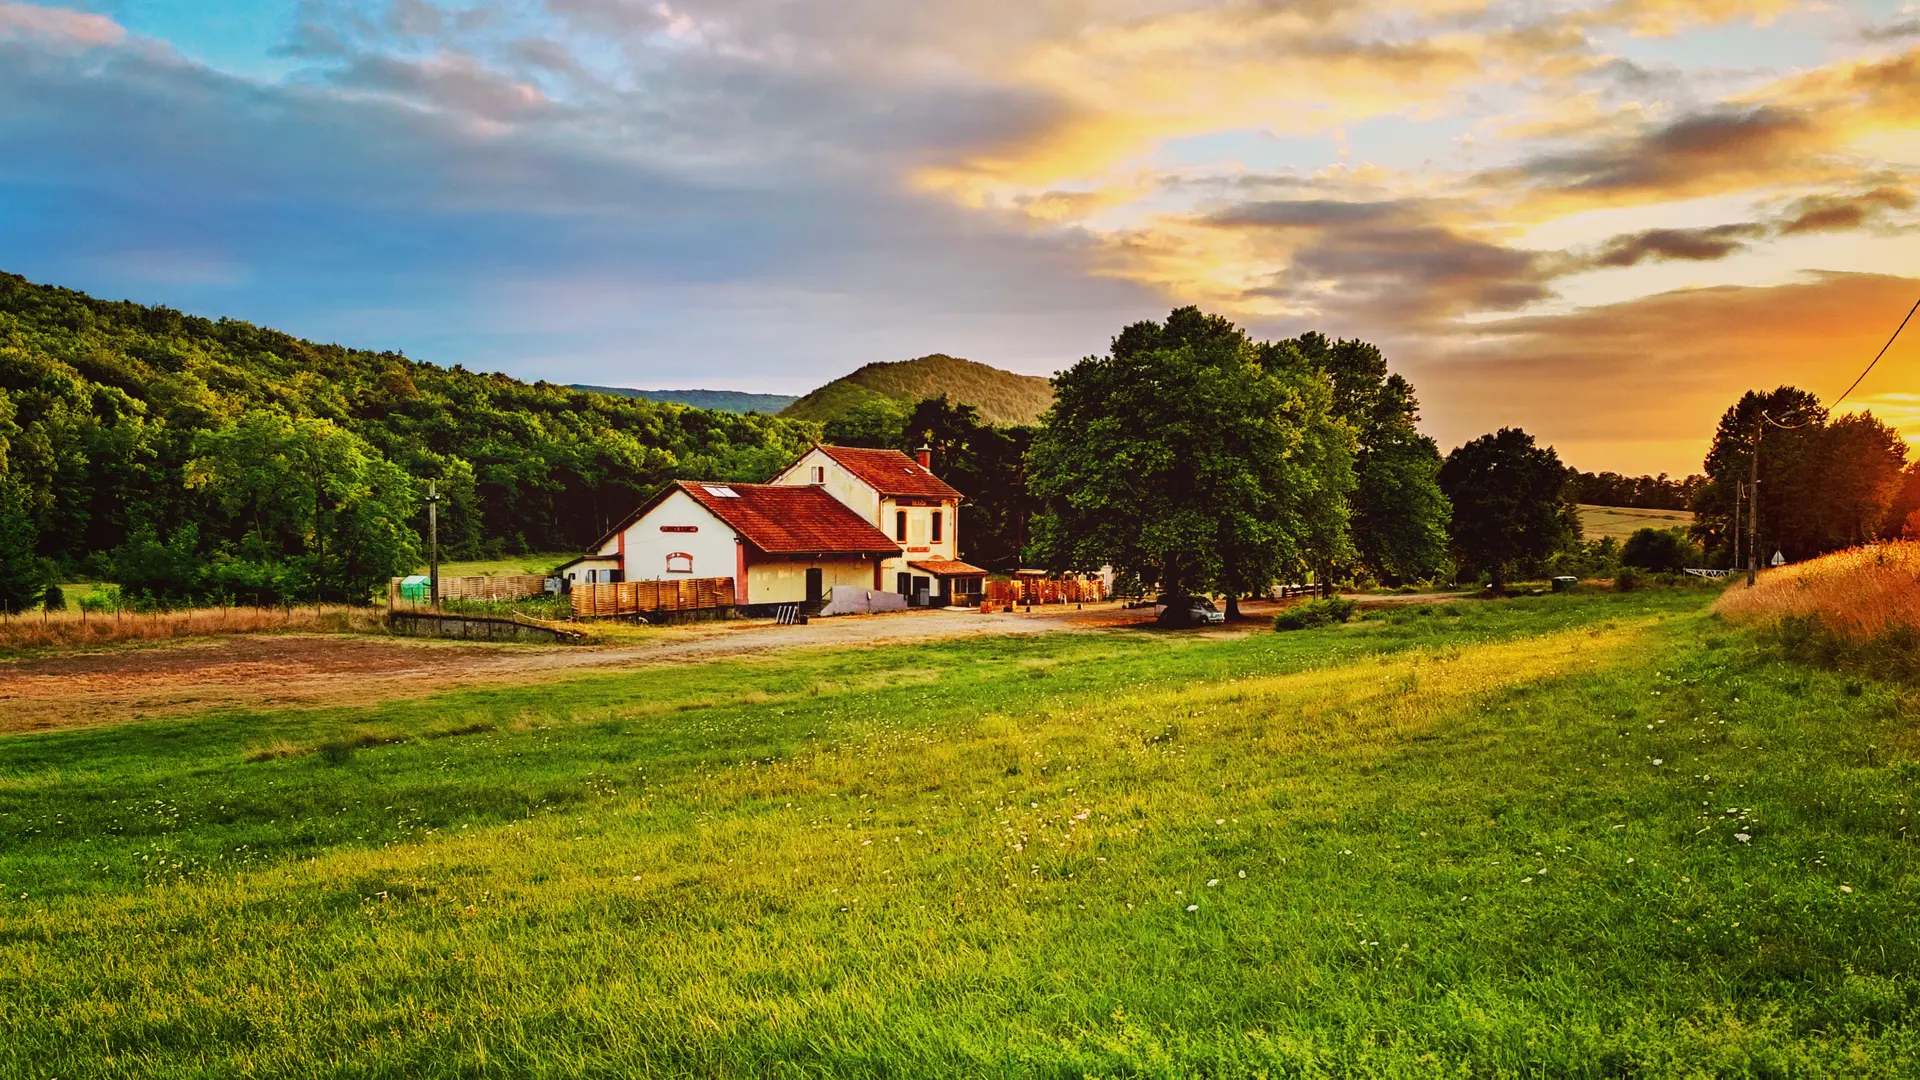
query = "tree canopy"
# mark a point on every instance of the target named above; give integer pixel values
(1510, 509)
(1190, 458)
(1825, 483)
(105, 408)
(1399, 514)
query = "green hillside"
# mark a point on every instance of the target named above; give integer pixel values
(1002, 397)
(116, 420)
(732, 401)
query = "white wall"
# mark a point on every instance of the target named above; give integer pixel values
(840, 484)
(713, 549)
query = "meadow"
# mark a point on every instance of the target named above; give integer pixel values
(1620, 522)
(1576, 835)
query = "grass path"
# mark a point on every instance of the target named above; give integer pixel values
(1559, 836)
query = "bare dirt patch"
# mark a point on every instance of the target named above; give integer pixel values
(116, 685)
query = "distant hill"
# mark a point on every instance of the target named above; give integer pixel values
(1001, 396)
(732, 401)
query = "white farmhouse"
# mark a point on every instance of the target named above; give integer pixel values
(780, 544)
(900, 496)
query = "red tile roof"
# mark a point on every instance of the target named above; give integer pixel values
(948, 568)
(890, 472)
(783, 520)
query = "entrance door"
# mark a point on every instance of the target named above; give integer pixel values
(813, 585)
(903, 584)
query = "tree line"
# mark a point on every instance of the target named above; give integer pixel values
(195, 459)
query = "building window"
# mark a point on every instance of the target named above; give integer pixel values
(679, 562)
(819, 474)
(900, 525)
(936, 527)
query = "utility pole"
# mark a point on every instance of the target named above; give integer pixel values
(433, 542)
(1739, 494)
(1753, 506)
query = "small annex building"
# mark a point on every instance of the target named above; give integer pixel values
(900, 496)
(780, 544)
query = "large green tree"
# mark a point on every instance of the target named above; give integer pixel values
(22, 578)
(314, 489)
(1825, 483)
(1399, 514)
(1189, 458)
(1509, 504)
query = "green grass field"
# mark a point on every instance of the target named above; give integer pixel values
(1621, 522)
(537, 563)
(1586, 835)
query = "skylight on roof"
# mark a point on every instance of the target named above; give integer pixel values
(721, 491)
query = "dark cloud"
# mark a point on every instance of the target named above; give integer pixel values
(1899, 30)
(1396, 258)
(555, 249)
(1833, 213)
(1698, 245)
(1697, 152)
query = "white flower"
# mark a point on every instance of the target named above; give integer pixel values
(1526, 881)
(1542, 871)
(1219, 821)
(1846, 888)
(1658, 761)
(1243, 873)
(1211, 882)
(1193, 907)
(1743, 837)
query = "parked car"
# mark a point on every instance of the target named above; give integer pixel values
(1199, 611)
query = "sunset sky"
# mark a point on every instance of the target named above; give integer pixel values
(1598, 221)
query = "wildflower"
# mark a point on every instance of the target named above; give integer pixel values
(1211, 882)
(1743, 837)
(1526, 881)
(1193, 907)
(1843, 888)
(1243, 873)
(1219, 821)
(1658, 761)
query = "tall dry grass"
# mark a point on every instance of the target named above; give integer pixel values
(1857, 595)
(68, 629)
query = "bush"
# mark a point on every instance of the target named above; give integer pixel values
(1333, 609)
(53, 599)
(1627, 580)
(1659, 550)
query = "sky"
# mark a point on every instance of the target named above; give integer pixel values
(1599, 220)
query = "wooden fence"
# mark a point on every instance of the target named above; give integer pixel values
(648, 597)
(494, 588)
(1039, 590)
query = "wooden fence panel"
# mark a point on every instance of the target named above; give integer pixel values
(647, 597)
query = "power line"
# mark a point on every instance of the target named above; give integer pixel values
(1881, 353)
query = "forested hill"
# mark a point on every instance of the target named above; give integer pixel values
(114, 417)
(1002, 397)
(733, 401)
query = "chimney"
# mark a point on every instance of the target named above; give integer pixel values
(924, 456)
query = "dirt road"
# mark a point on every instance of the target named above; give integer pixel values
(114, 685)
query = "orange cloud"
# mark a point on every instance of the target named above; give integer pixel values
(1639, 385)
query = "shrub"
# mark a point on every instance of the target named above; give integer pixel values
(1659, 550)
(1627, 580)
(1333, 609)
(53, 599)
